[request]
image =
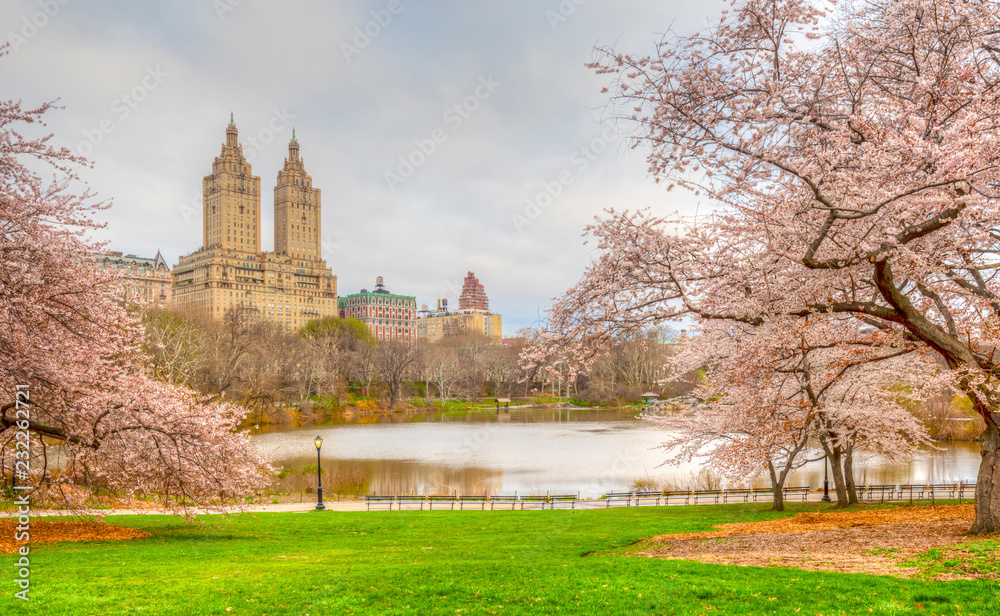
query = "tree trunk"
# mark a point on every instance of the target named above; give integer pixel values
(833, 458)
(852, 491)
(777, 485)
(837, 470)
(988, 484)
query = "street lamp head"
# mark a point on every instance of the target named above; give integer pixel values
(319, 441)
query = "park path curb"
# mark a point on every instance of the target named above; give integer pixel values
(334, 506)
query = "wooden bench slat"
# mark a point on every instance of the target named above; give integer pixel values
(797, 490)
(617, 497)
(504, 499)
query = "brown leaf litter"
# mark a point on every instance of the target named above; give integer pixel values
(838, 541)
(53, 532)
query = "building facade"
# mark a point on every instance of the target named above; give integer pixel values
(146, 278)
(436, 327)
(388, 316)
(289, 286)
(473, 295)
(473, 316)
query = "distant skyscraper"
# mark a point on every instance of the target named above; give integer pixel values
(288, 286)
(473, 295)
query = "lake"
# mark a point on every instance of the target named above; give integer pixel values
(534, 451)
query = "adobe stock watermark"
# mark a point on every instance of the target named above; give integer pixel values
(121, 108)
(451, 287)
(454, 117)
(225, 7)
(562, 13)
(371, 29)
(579, 161)
(281, 120)
(22, 487)
(32, 24)
(466, 448)
(329, 246)
(189, 212)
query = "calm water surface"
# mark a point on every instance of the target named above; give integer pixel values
(541, 450)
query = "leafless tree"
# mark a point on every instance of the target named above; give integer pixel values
(394, 361)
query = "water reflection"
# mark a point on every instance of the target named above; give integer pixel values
(954, 462)
(536, 451)
(391, 477)
(515, 415)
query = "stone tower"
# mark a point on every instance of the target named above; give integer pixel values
(290, 286)
(231, 206)
(297, 209)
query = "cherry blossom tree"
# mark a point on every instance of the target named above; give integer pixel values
(850, 154)
(75, 352)
(773, 388)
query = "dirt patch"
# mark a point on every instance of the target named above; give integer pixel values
(53, 532)
(873, 541)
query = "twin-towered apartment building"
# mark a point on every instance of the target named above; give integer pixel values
(291, 285)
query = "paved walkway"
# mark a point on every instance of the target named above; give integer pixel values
(269, 508)
(359, 505)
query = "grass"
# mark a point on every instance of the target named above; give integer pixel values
(981, 556)
(459, 563)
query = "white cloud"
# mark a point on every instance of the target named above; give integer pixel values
(353, 120)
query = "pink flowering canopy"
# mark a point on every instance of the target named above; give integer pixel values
(772, 389)
(851, 154)
(67, 335)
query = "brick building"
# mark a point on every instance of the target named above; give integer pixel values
(473, 295)
(387, 315)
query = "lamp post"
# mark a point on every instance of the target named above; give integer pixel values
(826, 481)
(319, 475)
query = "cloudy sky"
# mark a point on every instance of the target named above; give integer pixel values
(490, 102)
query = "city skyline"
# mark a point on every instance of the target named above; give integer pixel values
(446, 138)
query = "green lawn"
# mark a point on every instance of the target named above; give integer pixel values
(552, 562)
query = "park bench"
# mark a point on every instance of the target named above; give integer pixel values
(884, 492)
(908, 491)
(379, 500)
(618, 497)
(935, 490)
(736, 495)
(765, 493)
(450, 500)
(481, 500)
(966, 487)
(678, 495)
(533, 502)
(504, 500)
(562, 500)
(713, 494)
(648, 498)
(803, 491)
(410, 501)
